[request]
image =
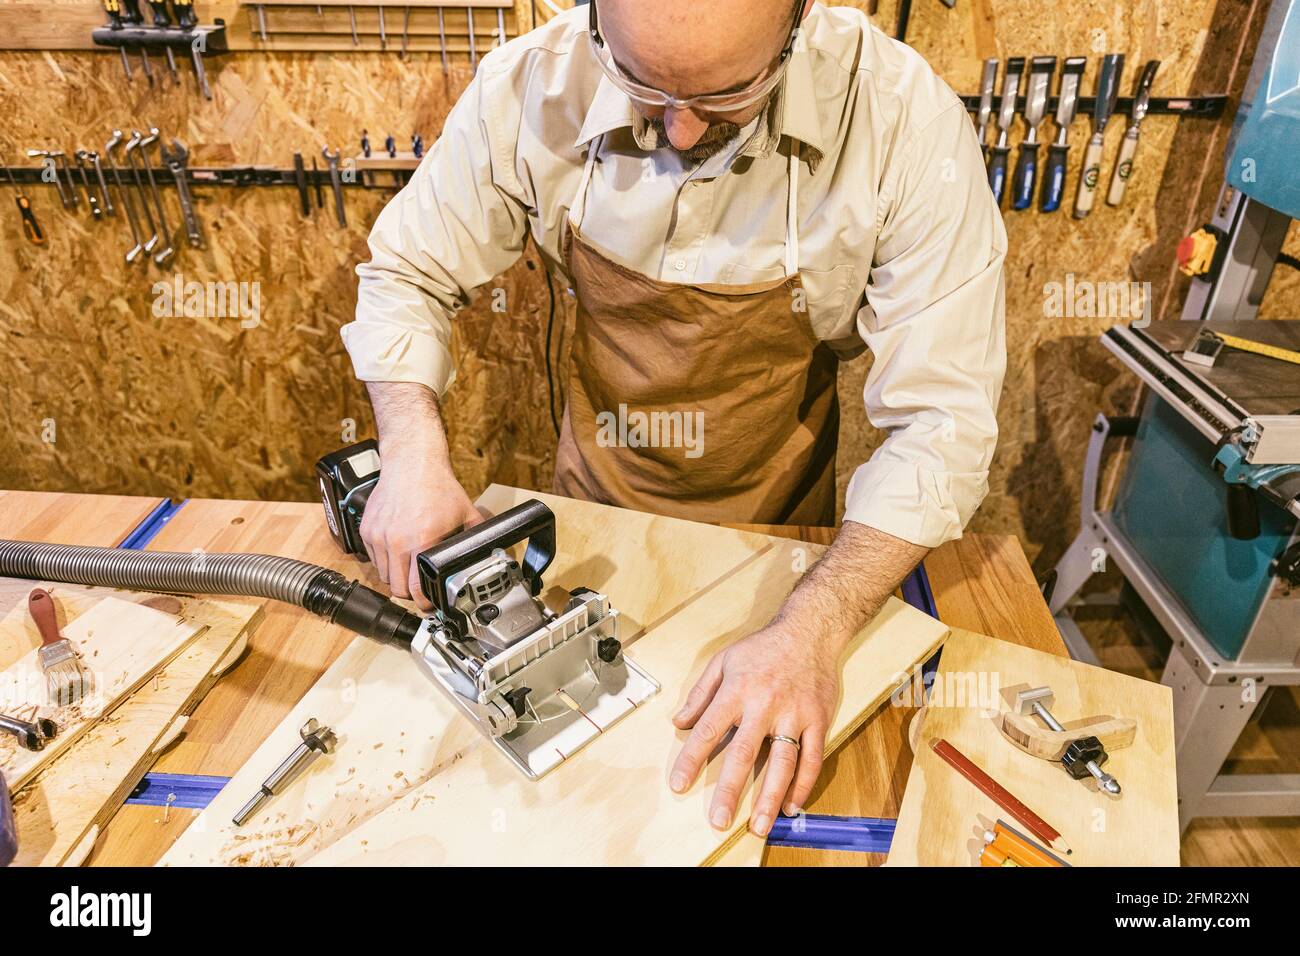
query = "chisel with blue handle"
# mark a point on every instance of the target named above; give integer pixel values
(1006, 113)
(1041, 69)
(1067, 103)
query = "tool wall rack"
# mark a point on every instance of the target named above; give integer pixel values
(1196, 107)
(468, 28)
(195, 176)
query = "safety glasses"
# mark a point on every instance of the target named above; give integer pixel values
(732, 102)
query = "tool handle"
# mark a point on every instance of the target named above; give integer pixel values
(31, 228)
(1123, 167)
(114, 10)
(185, 16)
(1089, 176)
(998, 171)
(1022, 181)
(1049, 200)
(41, 607)
(160, 16)
(531, 521)
(131, 11)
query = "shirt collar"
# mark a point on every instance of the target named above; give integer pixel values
(793, 111)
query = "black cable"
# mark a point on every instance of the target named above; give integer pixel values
(1284, 259)
(550, 326)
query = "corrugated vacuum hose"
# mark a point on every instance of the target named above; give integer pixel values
(319, 590)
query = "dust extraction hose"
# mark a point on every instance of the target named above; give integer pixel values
(321, 591)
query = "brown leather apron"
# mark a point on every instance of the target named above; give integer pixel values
(712, 403)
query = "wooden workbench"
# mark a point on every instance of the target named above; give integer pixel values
(981, 583)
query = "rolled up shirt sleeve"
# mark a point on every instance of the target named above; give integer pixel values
(934, 321)
(459, 221)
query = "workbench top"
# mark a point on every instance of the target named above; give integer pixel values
(981, 583)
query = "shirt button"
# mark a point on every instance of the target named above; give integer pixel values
(679, 265)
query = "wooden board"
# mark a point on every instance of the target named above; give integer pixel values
(610, 804)
(396, 730)
(60, 814)
(943, 814)
(121, 642)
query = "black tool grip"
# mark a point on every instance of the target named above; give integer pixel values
(1049, 200)
(998, 171)
(1022, 180)
(31, 228)
(531, 521)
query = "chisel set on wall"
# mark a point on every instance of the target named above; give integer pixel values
(997, 106)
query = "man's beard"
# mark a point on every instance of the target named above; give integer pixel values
(715, 139)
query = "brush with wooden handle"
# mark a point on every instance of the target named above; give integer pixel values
(68, 682)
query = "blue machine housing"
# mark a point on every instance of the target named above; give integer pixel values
(1262, 158)
(1172, 505)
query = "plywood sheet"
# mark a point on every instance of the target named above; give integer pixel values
(610, 804)
(943, 815)
(60, 813)
(396, 730)
(121, 642)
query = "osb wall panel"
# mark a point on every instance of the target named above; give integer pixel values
(195, 407)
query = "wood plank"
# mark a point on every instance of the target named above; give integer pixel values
(610, 804)
(649, 565)
(943, 814)
(61, 813)
(122, 643)
(867, 776)
(63, 518)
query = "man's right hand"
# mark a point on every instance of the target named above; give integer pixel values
(415, 504)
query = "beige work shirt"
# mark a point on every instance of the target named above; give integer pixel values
(899, 243)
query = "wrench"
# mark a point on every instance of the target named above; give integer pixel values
(91, 199)
(335, 183)
(131, 146)
(163, 256)
(103, 183)
(69, 200)
(31, 734)
(133, 253)
(175, 160)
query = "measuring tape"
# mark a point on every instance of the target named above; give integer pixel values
(1246, 345)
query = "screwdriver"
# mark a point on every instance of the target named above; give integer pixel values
(114, 10)
(31, 228)
(162, 20)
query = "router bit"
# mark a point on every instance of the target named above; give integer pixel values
(999, 151)
(1041, 69)
(31, 734)
(316, 740)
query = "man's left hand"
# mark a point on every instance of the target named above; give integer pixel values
(775, 681)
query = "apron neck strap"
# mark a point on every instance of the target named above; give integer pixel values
(578, 208)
